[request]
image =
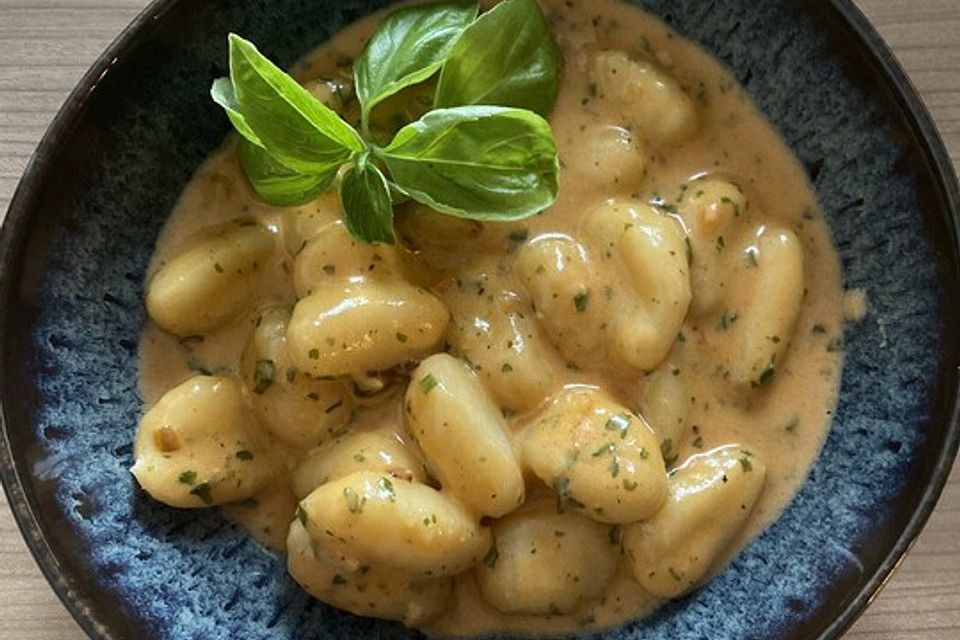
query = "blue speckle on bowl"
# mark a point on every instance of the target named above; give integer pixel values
(184, 575)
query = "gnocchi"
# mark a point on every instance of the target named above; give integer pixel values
(643, 95)
(363, 451)
(652, 249)
(608, 158)
(498, 336)
(363, 589)
(711, 496)
(199, 446)
(665, 405)
(463, 435)
(302, 224)
(298, 409)
(355, 328)
(599, 458)
(431, 535)
(209, 285)
(333, 256)
(765, 304)
(556, 272)
(544, 562)
(710, 208)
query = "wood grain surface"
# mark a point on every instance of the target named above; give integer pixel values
(46, 45)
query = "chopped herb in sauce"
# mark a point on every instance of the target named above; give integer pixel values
(607, 448)
(565, 499)
(354, 500)
(766, 376)
(614, 467)
(244, 454)
(727, 318)
(427, 383)
(581, 300)
(187, 477)
(516, 238)
(263, 376)
(386, 489)
(736, 207)
(490, 560)
(666, 451)
(204, 491)
(618, 422)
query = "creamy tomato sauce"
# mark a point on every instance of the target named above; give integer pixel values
(783, 423)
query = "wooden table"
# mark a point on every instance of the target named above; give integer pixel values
(46, 45)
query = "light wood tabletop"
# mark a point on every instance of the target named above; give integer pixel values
(46, 45)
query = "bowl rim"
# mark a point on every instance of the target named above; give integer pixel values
(892, 76)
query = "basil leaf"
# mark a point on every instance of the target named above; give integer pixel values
(278, 185)
(485, 163)
(366, 204)
(507, 57)
(296, 128)
(408, 47)
(222, 93)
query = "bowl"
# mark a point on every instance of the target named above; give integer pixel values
(83, 222)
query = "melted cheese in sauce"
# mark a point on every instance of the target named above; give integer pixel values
(783, 423)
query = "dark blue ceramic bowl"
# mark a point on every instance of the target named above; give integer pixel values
(82, 226)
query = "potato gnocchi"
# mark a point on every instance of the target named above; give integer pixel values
(545, 426)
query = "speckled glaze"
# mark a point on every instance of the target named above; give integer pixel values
(82, 227)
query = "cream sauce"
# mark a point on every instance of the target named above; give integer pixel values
(784, 423)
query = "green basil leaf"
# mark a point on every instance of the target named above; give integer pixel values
(485, 163)
(366, 204)
(507, 57)
(222, 93)
(277, 184)
(408, 47)
(296, 128)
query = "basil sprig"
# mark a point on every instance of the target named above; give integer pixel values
(367, 208)
(479, 162)
(488, 154)
(409, 46)
(507, 57)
